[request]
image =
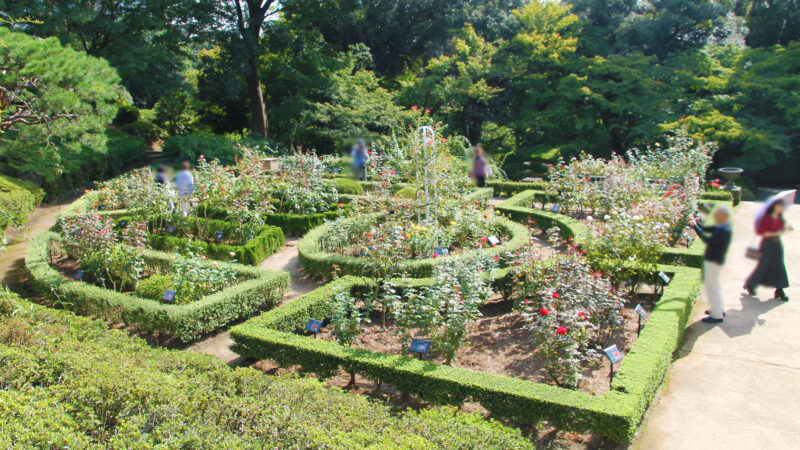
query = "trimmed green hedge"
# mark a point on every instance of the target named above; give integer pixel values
(18, 199)
(256, 289)
(319, 263)
(518, 208)
(70, 382)
(348, 186)
(509, 188)
(722, 196)
(268, 239)
(614, 414)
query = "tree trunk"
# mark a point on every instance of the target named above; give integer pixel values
(257, 107)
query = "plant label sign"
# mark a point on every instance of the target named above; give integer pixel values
(494, 241)
(313, 326)
(555, 208)
(169, 296)
(123, 223)
(641, 312)
(101, 207)
(613, 353)
(664, 277)
(420, 346)
(365, 251)
(171, 229)
(441, 250)
(78, 275)
(219, 235)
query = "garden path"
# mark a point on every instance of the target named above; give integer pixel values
(735, 385)
(12, 262)
(284, 259)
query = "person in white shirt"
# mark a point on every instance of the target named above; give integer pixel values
(184, 182)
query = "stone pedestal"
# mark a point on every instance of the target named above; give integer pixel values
(737, 195)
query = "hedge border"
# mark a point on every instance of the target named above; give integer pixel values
(614, 414)
(319, 263)
(517, 209)
(262, 288)
(268, 240)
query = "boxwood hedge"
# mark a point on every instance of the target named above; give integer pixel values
(614, 414)
(18, 199)
(256, 289)
(320, 263)
(518, 208)
(70, 382)
(267, 240)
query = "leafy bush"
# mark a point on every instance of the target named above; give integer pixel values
(88, 386)
(348, 186)
(189, 147)
(18, 199)
(144, 129)
(153, 287)
(126, 114)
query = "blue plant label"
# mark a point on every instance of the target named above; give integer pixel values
(420, 346)
(123, 223)
(314, 326)
(494, 241)
(441, 250)
(664, 277)
(640, 311)
(365, 251)
(169, 296)
(555, 208)
(78, 275)
(171, 229)
(101, 207)
(219, 235)
(613, 353)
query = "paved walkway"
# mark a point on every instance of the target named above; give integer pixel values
(735, 386)
(284, 259)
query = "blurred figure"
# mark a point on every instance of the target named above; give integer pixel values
(717, 238)
(771, 270)
(184, 183)
(360, 156)
(161, 178)
(480, 167)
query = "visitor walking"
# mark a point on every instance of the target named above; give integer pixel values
(771, 270)
(184, 183)
(480, 167)
(161, 179)
(360, 156)
(717, 238)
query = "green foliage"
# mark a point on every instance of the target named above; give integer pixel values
(69, 99)
(154, 286)
(88, 386)
(772, 22)
(174, 113)
(258, 289)
(348, 186)
(191, 146)
(18, 199)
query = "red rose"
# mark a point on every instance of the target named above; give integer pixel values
(414, 107)
(435, 255)
(581, 315)
(561, 330)
(483, 239)
(556, 295)
(496, 258)
(340, 205)
(544, 312)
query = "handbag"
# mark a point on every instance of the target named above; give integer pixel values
(752, 251)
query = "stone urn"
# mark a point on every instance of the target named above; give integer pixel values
(730, 174)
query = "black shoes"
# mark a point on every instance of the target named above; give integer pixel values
(750, 290)
(780, 295)
(708, 313)
(710, 319)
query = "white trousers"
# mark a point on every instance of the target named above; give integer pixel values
(184, 200)
(711, 273)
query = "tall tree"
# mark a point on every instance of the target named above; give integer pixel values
(145, 40)
(250, 17)
(773, 22)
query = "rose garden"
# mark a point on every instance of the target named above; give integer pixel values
(433, 291)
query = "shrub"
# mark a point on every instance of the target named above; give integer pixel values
(144, 129)
(126, 114)
(88, 386)
(18, 199)
(348, 187)
(407, 192)
(189, 147)
(154, 286)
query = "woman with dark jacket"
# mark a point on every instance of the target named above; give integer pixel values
(771, 270)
